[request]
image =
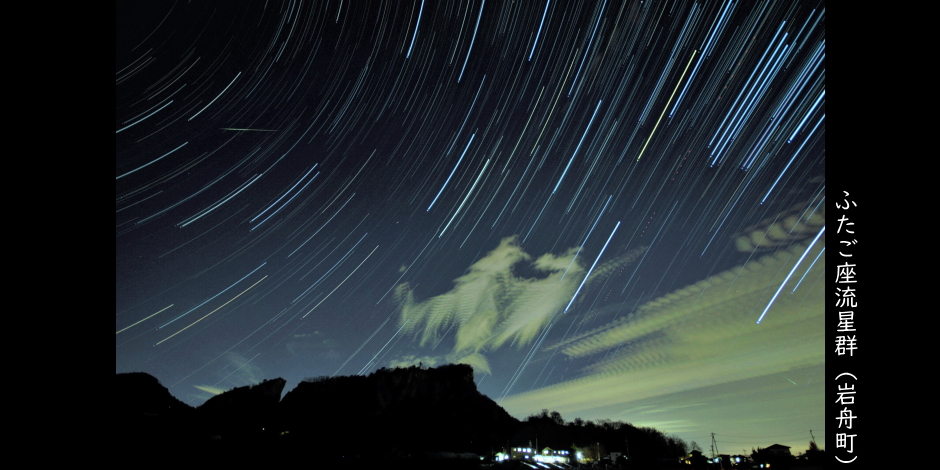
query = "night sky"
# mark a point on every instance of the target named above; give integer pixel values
(612, 210)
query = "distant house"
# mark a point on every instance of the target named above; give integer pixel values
(553, 456)
(779, 450)
(521, 453)
(531, 454)
(696, 458)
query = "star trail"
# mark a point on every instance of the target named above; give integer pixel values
(307, 188)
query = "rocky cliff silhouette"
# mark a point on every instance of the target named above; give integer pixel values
(390, 414)
(402, 411)
(146, 414)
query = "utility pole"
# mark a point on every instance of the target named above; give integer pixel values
(715, 450)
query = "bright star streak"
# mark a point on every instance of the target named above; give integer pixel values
(588, 236)
(286, 203)
(141, 119)
(284, 195)
(143, 319)
(539, 33)
(217, 97)
(210, 313)
(466, 197)
(451, 173)
(219, 204)
(408, 56)
(472, 40)
(823, 250)
(592, 266)
(214, 296)
(808, 114)
(151, 163)
(667, 105)
(823, 229)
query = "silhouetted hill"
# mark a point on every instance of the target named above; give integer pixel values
(244, 412)
(397, 411)
(141, 393)
(403, 418)
(147, 415)
(391, 414)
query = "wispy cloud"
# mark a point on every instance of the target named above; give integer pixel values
(699, 336)
(492, 306)
(211, 389)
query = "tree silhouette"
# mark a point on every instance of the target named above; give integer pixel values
(814, 454)
(677, 447)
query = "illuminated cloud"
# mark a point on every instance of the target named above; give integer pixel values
(315, 341)
(697, 337)
(800, 222)
(211, 389)
(491, 305)
(477, 361)
(412, 360)
(241, 371)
